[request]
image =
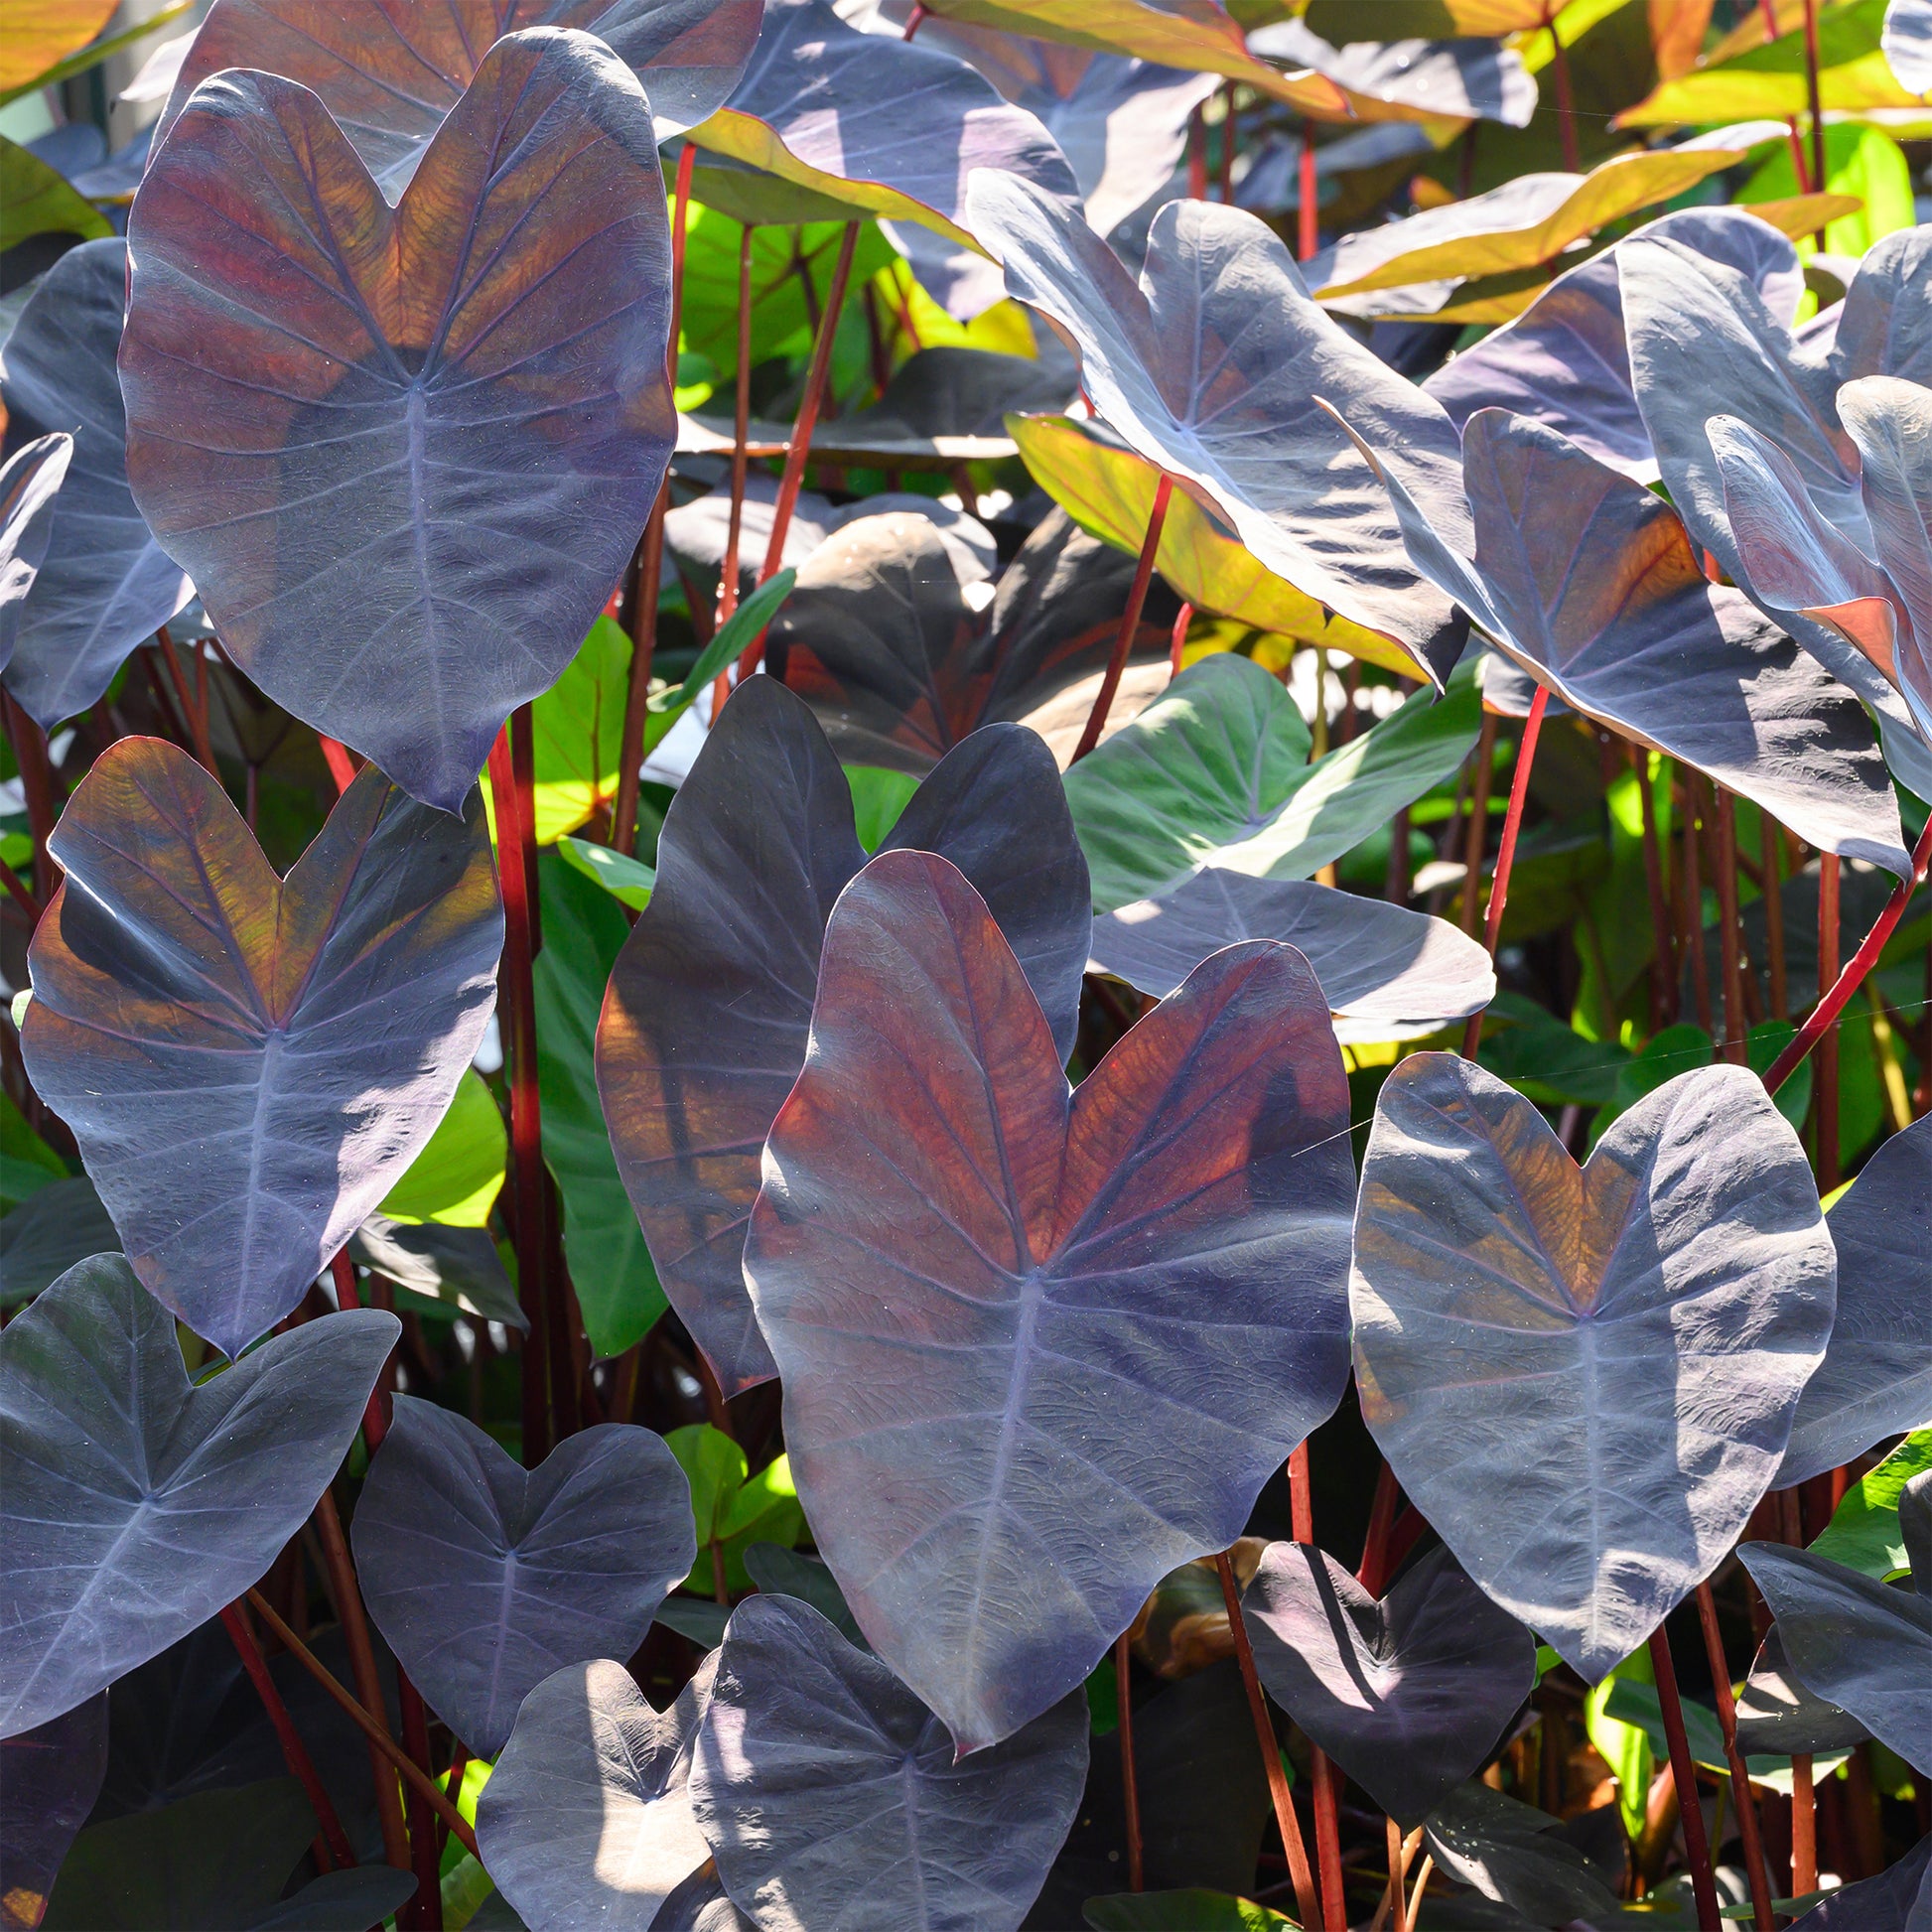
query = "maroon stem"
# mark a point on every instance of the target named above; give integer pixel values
(1478, 833)
(1769, 863)
(1804, 1826)
(1307, 1904)
(1308, 198)
(1178, 641)
(1683, 1772)
(1742, 1796)
(1373, 1575)
(375, 1417)
(1129, 623)
(294, 1753)
(1565, 106)
(197, 715)
(37, 782)
(1198, 155)
(1519, 790)
(453, 1779)
(915, 21)
(425, 1839)
(516, 1006)
(1224, 160)
(1663, 972)
(1810, 94)
(1128, 1784)
(1327, 1797)
(17, 891)
(741, 429)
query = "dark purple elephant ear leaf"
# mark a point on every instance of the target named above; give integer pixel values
(390, 76)
(1408, 1695)
(49, 1778)
(1088, 1334)
(1854, 1641)
(250, 1063)
(1899, 1899)
(587, 1818)
(1876, 1376)
(1777, 1716)
(486, 1577)
(1639, 1328)
(360, 427)
(103, 585)
(707, 1015)
(133, 1505)
(818, 1777)
(30, 481)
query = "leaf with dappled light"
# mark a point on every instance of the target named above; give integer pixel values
(1215, 772)
(818, 1777)
(1899, 1899)
(1589, 582)
(1090, 1326)
(30, 485)
(486, 1579)
(1638, 1329)
(1209, 368)
(1516, 1854)
(1777, 1716)
(391, 77)
(135, 1505)
(1408, 1695)
(104, 584)
(587, 1819)
(706, 1021)
(1386, 972)
(249, 1063)
(361, 428)
(1876, 1376)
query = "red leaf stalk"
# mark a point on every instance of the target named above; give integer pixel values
(1742, 1796)
(1519, 790)
(1307, 199)
(1683, 1772)
(1128, 1784)
(1129, 623)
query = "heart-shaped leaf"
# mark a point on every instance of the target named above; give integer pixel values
(1855, 1641)
(1589, 581)
(248, 1063)
(487, 1579)
(135, 1506)
(891, 638)
(1208, 367)
(1386, 972)
(104, 584)
(1215, 772)
(30, 481)
(1777, 1716)
(1407, 1694)
(45, 1236)
(874, 125)
(1514, 1853)
(1563, 360)
(49, 1778)
(389, 81)
(1088, 1334)
(365, 424)
(585, 1818)
(1876, 1376)
(706, 1021)
(819, 1777)
(1640, 1328)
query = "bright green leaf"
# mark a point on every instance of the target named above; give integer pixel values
(1193, 1910)
(1863, 1531)
(732, 1508)
(1858, 161)
(877, 798)
(458, 1176)
(1624, 1747)
(627, 881)
(35, 200)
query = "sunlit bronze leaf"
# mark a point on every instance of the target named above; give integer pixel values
(39, 33)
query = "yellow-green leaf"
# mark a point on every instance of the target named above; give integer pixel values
(35, 200)
(1861, 164)
(459, 1174)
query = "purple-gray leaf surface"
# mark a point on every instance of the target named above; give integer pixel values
(1899, 1899)
(1083, 1328)
(1906, 39)
(1636, 1330)
(486, 1578)
(587, 1818)
(706, 1019)
(1471, 79)
(49, 1778)
(1877, 1376)
(821, 1781)
(1777, 1716)
(1386, 972)
(134, 1505)
(361, 428)
(30, 483)
(1209, 366)
(250, 1063)
(1408, 1695)
(104, 584)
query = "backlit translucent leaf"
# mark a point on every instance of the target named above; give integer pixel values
(818, 1777)
(366, 425)
(41, 32)
(135, 1506)
(37, 200)
(458, 1176)
(250, 1063)
(486, 1577)
(706, 1020)
(1087, 1335)
(1639, 1328)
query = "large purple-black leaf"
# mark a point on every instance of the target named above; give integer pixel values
(1462, 79)
(1876, 1376)
(706, 1019)
(1084, 1328)
(587, 1818)
(820, 1779)
(135, 1505)
(1637, 1329)
(391, 77)
(1899, 1899)
(30, 482)
(1209, 366)
(486, 1578)
(1777, 1716)
(1386, 972)
(1407, 1694)
(104, 584)
(1588, 581)
(49, 1778)
(361, 429)
(1517, 1856)
(250, 1063)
